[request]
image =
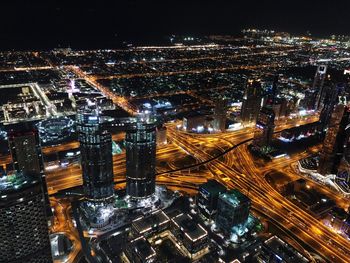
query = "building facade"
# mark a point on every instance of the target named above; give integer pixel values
(23, 222)
(264, 128)
(251, 102)
(233, 210)
(333, 145)
(96, 154)
(140, 144)
(207, 198)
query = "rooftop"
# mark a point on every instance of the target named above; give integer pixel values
(213, 187)
(142, 248)
(192, 230)
(15, 181)
(144, 224)
(234, 197)
(284, 251)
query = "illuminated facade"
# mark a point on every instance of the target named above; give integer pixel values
(317, 86)
(233, 210)
(207, 198)
(140, 144)
(96, 154)
(264, 128)
(23, 223)
(251, 102)
(25, 148)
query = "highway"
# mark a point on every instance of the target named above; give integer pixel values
(239, 170)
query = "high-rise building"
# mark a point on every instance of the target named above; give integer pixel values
(220, 112)
(251, 102)
(233, 210)
(23, 222)
(25, 148)
(264, 127)
(317, 86)
(333, 145)
(265, 123)
(331, 99)
(140, 144)
(96, 154)
(271, 96)
(207, 198)
(161, 135)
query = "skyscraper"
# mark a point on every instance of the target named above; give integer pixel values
(25, 150)
(233, 210)
(333, 145)
(220, 111)
(26, 155)
(23, 223)
(271, 96)
(140, 143)
(317, 86)
(96, 154)
(251, 102)
(331, 99)
(265, 124)
(207, 198)
(264, 127)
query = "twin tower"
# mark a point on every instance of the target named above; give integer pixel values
(96, 154)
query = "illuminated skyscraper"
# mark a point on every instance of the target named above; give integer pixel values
(26, 155)
(317, 86)
(271, 96)
(140, 144)
(207, 198)
(25, 150)
(343, 173)
(96, 154)
(333, 146)
(233, 210)
(331, 98)
(265, 124)
(23, 223)
(264, 128)
(251, 102)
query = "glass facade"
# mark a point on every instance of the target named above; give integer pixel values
(96, 155)
(140, 144)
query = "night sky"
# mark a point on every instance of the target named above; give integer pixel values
(89, 24)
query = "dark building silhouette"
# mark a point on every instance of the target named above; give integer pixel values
(96, 154)
(23, 222)
(264, 127)
(140, 144)
(220, 111)
(207, 198)
(330, 100)
(333, 145)
(25, 148)
(251, 102)
(318, 87)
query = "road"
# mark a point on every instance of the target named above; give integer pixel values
(239, 170)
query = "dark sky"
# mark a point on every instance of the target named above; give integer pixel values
(100, 23)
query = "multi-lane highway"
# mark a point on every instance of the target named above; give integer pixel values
(239, 170)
